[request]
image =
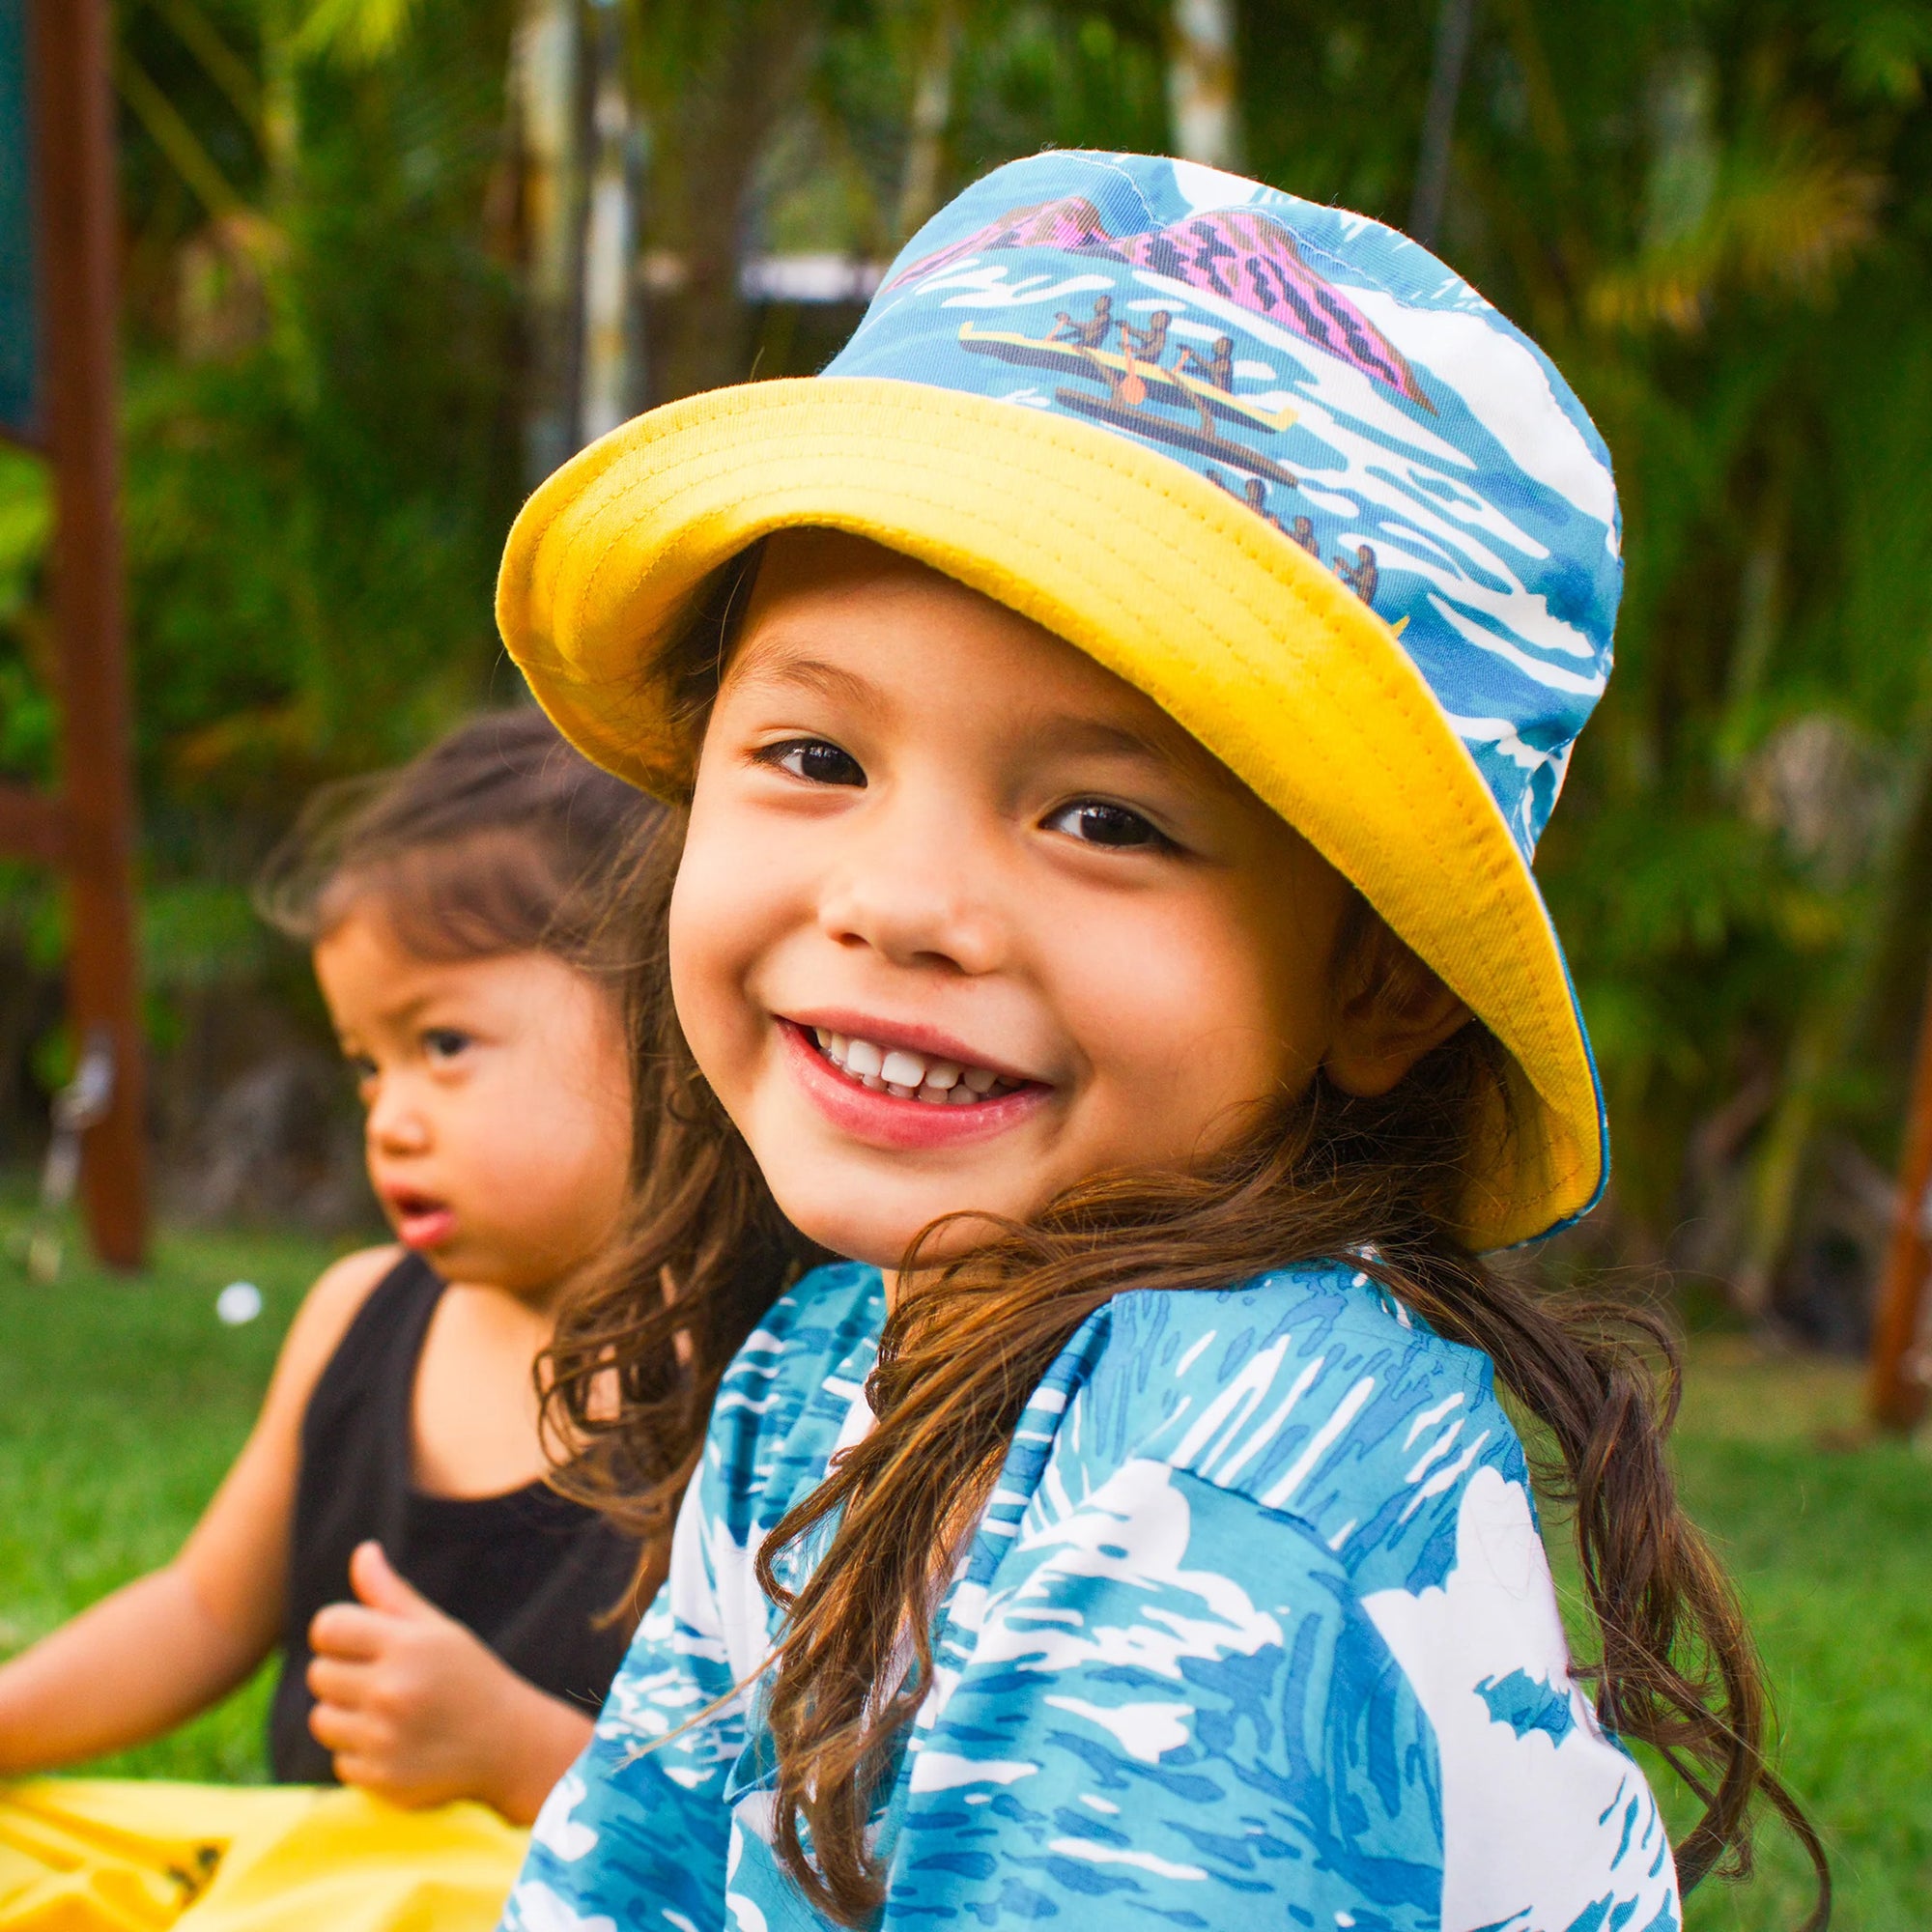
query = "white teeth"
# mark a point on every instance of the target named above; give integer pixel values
(902, 1069)
(908, 1075)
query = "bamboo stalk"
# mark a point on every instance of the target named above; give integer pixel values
(170, 133)
(547, 78)
(1201, 83)
(931, 113)
(1455, 29)
(606, 358)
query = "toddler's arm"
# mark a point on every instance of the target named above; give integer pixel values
(174, 1641)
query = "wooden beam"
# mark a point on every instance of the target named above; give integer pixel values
(1898, 1370)
(31, 826)
(72, 66)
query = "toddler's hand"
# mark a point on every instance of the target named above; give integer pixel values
(418, 1709)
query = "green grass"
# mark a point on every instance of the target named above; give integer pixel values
(121, 1402)
(1829, 1537)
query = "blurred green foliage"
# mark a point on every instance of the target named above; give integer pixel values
(1717, 215)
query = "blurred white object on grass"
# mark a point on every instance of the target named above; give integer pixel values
(238, 1304)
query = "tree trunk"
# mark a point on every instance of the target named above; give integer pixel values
(1455, 27)
(932, 111)
(1201, 83)
(547, 78)
(749, 74)
(611, 343)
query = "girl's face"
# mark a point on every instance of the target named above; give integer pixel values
(498, 1126)
(963, 919)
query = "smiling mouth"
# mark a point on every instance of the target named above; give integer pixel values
(910, 1075)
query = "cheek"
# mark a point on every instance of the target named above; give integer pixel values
(1218, 1000)
(554, 1154)
(707, 939)
(733, 901)
(529, 1116)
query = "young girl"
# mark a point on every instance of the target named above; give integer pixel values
(445, 1619)
(1104, 917)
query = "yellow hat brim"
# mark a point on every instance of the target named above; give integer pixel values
(1240, 635)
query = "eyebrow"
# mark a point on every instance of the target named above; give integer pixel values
(1069, 732)
(408, 1011)
(772, 667)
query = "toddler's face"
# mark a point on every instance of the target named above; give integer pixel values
(964, 919)
(498, 1130)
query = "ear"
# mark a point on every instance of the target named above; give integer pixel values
(1392, 1010)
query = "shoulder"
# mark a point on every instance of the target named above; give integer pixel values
(790, 1390)
(1310, 1393)
(816, 1319)
(1298, 1514)
(342, 1287)
(329, 1309)
(340, 1293)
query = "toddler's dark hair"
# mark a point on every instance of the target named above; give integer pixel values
(496, 839)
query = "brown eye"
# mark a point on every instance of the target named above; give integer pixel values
(1095, 822)
(817, 762)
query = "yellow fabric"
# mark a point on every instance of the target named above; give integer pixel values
(108, 1854)
(1241, 637)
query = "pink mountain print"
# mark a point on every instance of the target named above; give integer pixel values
(1243, 257)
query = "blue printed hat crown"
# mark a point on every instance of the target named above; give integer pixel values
(1329, 373)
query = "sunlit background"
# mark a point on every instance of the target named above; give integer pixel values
(386, 261)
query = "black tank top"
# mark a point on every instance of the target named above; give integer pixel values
(530, 1573)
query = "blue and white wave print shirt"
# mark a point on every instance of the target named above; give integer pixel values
(1257, 1631)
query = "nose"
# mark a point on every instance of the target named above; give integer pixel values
(396, 1125)
(922, 889)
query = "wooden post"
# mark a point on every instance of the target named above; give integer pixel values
(1898, 1378)
(71, 51)
(32, 827)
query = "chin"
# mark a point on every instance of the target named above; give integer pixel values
(464, 1259)
(880, 1241)
(853, 1239)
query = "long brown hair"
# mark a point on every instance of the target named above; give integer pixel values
(640, 1349)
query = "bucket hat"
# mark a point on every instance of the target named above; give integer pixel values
(1272, 462)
